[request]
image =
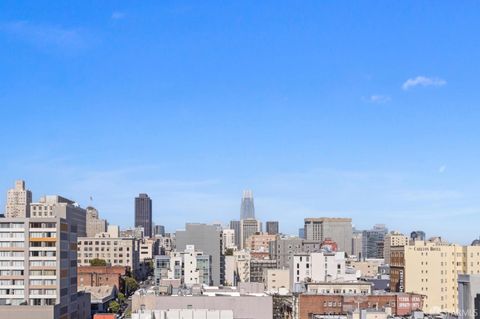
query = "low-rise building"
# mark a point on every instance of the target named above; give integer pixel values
(101, 276)
(339, 288)
(183, 313)
(101, 297)
(242, 306)
(311, 305)
(368, 268)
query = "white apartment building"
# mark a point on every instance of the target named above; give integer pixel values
(191, 266)
(318, 267)
(228, 239)
(242, 265)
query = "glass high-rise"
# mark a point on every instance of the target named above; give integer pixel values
(247, 210)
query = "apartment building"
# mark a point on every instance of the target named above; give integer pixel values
(393, 239)
(148, 247)
(257, 267)
(276, 280)
(318, 267)
(58, 206)
(95, 225)
(228, 241)
(259, 242)
(18, 201)
(283, 248)
(432, 269)
(191, 266)
(115, 251)
(38, 267)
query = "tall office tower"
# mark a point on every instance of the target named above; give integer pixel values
(432, 268)
(95, 225)
(159, 230)
(18, 201)
(235, 225)
(143, 213)
(208, 239)
(248, 227)
(272, 228)
(337, 229)
(357, 242)
(373, 241)
(418, 235)
(247, 210)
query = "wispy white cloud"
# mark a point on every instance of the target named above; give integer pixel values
(45, 36)
(378, 99)
(442, 169)
(423, 81)
(117, 15)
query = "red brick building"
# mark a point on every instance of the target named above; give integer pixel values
(101, 276)
(401, 304)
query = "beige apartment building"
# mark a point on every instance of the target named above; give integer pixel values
(276, 280)
(431, 269)
(393, 239)
(259, 242)
(368, 268)
(38, 268)
(95, 225)
(115, 251)
(18, 201)
(148, 248)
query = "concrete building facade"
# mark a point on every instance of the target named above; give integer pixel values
(208, 239)
(18, 201)
(191, 266)
(432, 269)
(337, 229)
(95, 225)
(393, 239)
(272, 227)
(115, 251)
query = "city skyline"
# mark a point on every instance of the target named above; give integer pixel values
(249, 194)
(322, 109)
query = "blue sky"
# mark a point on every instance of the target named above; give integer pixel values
(366, 109)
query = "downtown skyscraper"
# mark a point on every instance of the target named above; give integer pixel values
(247, 210)
(143, 213)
